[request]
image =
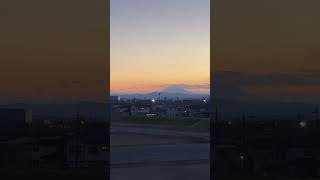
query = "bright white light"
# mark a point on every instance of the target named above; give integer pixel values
(303, 124)
(153, 100)
(204, 100)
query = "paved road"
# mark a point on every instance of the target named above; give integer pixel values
(160, 162)
(140, 153)
(182, 172)
(159, 153)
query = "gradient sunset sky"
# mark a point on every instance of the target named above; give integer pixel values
(159, 43)
(268, 48)
(59, 48)
(53, 49)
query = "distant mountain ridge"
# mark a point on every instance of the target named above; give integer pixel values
(168, 95)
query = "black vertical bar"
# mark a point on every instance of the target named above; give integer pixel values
(108, 101)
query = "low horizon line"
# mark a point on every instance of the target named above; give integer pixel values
(205, 93)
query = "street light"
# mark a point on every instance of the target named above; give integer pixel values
(303, 124)
(242, 161)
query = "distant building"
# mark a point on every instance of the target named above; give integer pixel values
(83, 149)
(120, 111)
(32, 152)
(114, 99)
(87, 150)
(140, 110)
(15, 118)
(268, 150)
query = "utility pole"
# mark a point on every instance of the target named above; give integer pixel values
(316, 112)
(242, 128)
(242, 145)
(217, 115)
(77, 139)
(134, 104)
(299, 116)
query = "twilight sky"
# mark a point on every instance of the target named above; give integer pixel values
(267, 35)
(59, 48)
(53, 49)
(268, 48)
(156, 44)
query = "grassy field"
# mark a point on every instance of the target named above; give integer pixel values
(188, 124)
(200, 126)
